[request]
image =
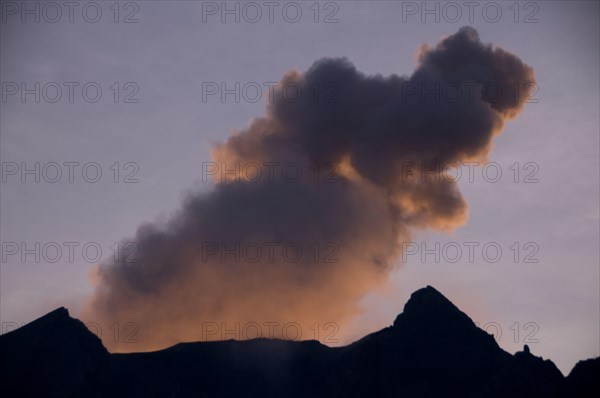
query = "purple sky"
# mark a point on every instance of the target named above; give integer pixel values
(169, 132)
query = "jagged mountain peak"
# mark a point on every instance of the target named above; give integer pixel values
(54, 353)
(430, 310)
(57, 322)
(433, 349)
(429, 298)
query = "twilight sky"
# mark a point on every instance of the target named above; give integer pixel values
(551, 210)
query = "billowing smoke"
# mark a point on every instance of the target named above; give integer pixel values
(311, 202)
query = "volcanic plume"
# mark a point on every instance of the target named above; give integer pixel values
(311, 201)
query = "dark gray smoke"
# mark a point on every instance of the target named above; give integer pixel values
(268, 244)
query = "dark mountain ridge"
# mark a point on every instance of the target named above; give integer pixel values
(431, 350)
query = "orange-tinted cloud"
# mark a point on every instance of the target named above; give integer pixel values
(304, 243)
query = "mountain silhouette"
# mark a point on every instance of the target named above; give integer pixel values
(431, 350)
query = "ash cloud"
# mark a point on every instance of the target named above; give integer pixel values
(350, 230)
